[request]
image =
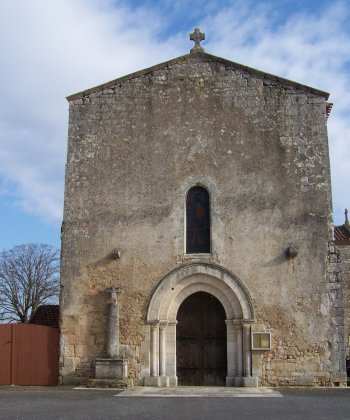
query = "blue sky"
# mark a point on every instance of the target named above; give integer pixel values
(51, 49)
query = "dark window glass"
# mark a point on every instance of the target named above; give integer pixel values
(198, 221)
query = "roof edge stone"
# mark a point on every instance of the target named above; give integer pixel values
(191, 56)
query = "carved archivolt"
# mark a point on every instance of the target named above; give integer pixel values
(176, 286)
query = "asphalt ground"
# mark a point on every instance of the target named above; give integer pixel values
(192, 403)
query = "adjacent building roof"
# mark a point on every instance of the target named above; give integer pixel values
(342, 233)
(46, 315)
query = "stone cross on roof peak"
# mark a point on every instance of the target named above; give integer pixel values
(197, 36)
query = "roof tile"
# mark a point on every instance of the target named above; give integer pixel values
(341, 235)
(46, 315)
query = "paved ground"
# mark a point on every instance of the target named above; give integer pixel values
(181, 403)
(200, 391)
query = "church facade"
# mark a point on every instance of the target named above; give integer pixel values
(201, 188)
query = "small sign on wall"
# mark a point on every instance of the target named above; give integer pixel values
(261, 340)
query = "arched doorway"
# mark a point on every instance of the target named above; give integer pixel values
(162, 319)
(201, 342)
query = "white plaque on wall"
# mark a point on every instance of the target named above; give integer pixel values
(261, 340)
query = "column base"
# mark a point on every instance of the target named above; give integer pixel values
(230, 381)
(239, 381)
(172, 380)
(160, 381)
(250, 381)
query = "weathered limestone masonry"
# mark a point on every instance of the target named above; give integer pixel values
(304, 363)
(258, 145)
(345, 260)
(342, 242)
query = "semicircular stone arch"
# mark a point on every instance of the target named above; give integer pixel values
(176, 286)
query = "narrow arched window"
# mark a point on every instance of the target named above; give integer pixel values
(198, 221)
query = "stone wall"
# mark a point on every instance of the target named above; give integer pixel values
(345, 261)
(259, 146)
(293, 361)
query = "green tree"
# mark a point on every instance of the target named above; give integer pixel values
(29, 277)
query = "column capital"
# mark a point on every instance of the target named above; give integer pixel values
(154, 322)
(154, 325)
(115, 289)
(248, 321)
(240, 321)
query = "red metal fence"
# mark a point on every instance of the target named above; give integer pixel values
(28, 354)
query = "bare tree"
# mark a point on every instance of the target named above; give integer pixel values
(29, 277)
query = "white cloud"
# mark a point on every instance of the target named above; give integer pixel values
(51, 49)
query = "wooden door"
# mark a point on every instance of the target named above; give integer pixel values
(201, 341)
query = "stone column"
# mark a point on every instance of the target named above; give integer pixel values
(162, 328)
(239, 359)
(154, 367)
(231, 352)
(237, 330)
(170, 349)
(247, 368)
(112, 371)
(248, 379)
(113, 323)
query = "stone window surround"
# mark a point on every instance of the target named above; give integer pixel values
(191, 182)
(186, 223)
(172, 290)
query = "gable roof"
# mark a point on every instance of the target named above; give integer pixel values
(203, 57)
(46, 315)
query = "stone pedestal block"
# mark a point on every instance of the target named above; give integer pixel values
(110, 373)
(111, 369)
(305, 381)
(110, 383)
